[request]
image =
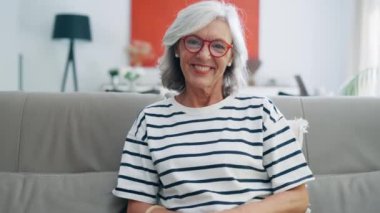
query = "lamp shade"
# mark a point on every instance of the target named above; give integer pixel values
(72, 26)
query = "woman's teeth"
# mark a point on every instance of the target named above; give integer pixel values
(202, 68)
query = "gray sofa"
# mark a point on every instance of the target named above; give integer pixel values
(60, 152)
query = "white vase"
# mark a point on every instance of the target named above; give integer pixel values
(132, 86)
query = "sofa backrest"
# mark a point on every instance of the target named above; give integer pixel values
(84, 132)
(65, 132)
(344, 132)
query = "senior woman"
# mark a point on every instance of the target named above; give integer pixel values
(209, 149)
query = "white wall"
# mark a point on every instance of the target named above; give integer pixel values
(313, 38)
(44, 58)
(8, 45)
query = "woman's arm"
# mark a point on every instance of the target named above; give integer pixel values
(294, 200)
(141, 207)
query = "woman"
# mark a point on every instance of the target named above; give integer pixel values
(209, 149)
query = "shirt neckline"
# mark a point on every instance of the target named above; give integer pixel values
(200, 110)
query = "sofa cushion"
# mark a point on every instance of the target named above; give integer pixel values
(348, 193)
(77, 192)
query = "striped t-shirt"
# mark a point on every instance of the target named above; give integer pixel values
(207, 159)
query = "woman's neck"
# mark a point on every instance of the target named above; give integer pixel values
(192, 98)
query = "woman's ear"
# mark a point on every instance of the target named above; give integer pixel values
(231, 59)
(176, 51)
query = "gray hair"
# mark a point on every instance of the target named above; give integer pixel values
(194, 18)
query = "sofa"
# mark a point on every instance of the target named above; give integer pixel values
(60, 152)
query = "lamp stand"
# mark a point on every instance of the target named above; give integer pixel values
(70, 59)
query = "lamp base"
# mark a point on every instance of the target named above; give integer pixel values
(70, 59)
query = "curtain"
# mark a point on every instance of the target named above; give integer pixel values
(369, 43)
(365, 77)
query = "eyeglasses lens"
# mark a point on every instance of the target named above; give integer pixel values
(217, 48)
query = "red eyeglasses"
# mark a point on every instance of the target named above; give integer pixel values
(217, 47)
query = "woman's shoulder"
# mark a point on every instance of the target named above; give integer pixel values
(244, 97)
(260, 102)
(159, 105)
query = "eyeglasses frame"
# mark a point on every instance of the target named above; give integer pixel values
(229, 46)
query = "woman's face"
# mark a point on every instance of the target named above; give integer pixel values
(201, 69)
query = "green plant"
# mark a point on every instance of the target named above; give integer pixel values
(365, 83)
(113, 72)
(131, 76)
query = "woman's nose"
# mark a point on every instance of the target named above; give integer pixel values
(204, 51)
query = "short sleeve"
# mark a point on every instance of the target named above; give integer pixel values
(137, 179)
(282, 156)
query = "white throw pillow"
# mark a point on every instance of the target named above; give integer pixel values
(299, 127)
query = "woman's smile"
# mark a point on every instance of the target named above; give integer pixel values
(202, 69)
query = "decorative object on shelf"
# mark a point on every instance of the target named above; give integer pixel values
(140, 53)
(252, 65)
(365, 83)
(71, 26)
(301, 86)
(131, 75)
(114, 75)
(20, 72)
(133, 79)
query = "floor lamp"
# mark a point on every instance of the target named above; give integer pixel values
(71, 26)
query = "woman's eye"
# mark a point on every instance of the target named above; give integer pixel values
(218, 46)
(193, 42)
